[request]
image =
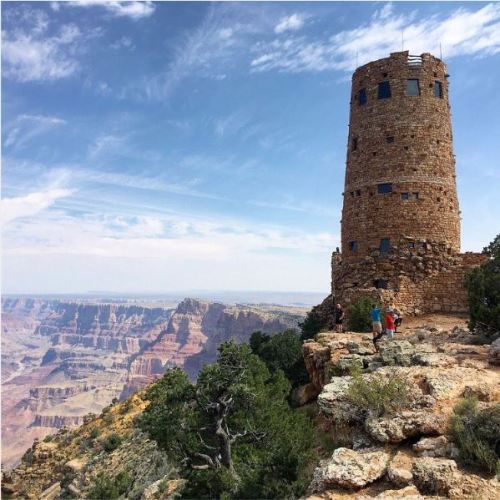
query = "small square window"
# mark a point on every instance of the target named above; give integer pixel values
(405, 196)
(353, 246)
(384, 90)
(385, 245)
(384, 188)
(354, 144)
(414, 196)
(380, 284)
(438, 89)
(352, 193)
(389, 139)
(358, 192)
(412, 88)
(362, 97)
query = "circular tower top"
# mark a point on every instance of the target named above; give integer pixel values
(400, 184)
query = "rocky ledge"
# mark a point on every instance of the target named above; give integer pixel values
(408, 454)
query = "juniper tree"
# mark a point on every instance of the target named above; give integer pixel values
(232, 433)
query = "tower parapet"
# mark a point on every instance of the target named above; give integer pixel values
(400, 217)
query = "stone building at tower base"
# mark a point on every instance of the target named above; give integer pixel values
(418, 276)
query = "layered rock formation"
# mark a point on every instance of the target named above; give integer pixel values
(407, 453)
(67, 464)
(62, 360)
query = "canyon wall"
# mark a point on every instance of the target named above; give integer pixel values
(62, 360)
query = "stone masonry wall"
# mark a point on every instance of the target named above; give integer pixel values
(404, 141)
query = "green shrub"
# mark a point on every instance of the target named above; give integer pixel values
(483, 292)
(105, 487)
(477, 434)
(358, 317)
(94, 433)
(282, 351)
(380, 395)
(112, 442)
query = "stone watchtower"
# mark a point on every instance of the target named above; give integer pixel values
(400, 217)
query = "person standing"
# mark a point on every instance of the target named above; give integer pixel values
(389, 324)
(398, 319)
(376, 322)
(339, 318)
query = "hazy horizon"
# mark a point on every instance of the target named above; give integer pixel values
(287, 298)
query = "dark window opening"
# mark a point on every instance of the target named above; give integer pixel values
(354, 144)
(385, 244)
(405, 196)
(406, 148)
(389, 139)
(362, 97)
(384, 75)
(380, 284)
(384, 90)
(374, 153)
(411, 245)
(358, 192)
(352, 193)
(353, 246)
(412, 88)
(384, 188)
(438, 89)
(438, 199)
(414, 195)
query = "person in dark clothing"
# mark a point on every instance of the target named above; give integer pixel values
(339, 318)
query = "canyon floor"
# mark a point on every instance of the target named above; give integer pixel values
(62, 360)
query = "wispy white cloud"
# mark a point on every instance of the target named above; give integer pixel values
(30, 55)
(290, 23)
(25, 127)
(465, 31)
(31, 204)
(163, 237)
(207, 51)
(131, 9)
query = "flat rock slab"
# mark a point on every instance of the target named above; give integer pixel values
(351, 469)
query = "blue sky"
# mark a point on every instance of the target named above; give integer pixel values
(164, 146)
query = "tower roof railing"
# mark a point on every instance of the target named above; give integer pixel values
(415, 61)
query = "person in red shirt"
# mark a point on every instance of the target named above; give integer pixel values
(389, 324)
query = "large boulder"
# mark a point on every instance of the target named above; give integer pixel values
(405, 425)
(397, 352)
(304, 393)
(435, 476)
(433, 447)
(399, 470)
(350, 469)
(450, 383)
(436, 360)
(494, 353)
(333, 400)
